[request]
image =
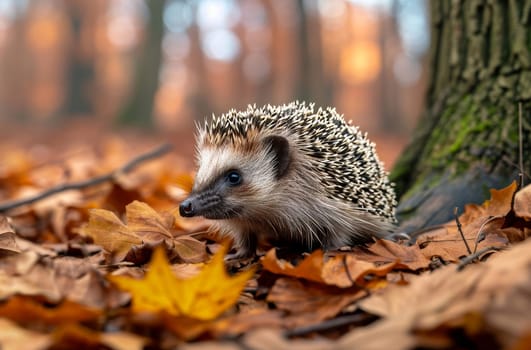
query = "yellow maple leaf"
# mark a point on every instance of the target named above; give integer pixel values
(204, 296)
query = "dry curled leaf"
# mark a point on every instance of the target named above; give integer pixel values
(8, 243)
(385, 252)
(522, 203)
(310, 303)
(346, 269)
(145, 227)
(497, 292)
(310, 268)
(107, 230)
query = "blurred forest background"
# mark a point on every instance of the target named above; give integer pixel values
(164, 64)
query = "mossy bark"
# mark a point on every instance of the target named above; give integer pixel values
(467, 141)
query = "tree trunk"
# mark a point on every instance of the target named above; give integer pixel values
(312, 85)
(468, 138)
(139, 108)
(81, 66)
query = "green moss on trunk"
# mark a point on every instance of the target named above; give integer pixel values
(480, 61)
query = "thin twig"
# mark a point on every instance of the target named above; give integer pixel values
(491, 218)
(471, 258)
(159, 151)
(345, 265)
(518, 188)
(330, 324)
(415, 234)
(460, 229)
(513, 164)
(520, 145)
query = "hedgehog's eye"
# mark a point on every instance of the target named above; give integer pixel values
(234, 178)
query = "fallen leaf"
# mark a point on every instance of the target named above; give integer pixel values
(203, 297)
(26, 311)
(40, 280)
(483, 226)
(13, 337)
(8, 243)
(385, 252)
(496, 291)
(522, 203)
(499, 204)
(107, 230)
(345, 270)
(242, 322)
(310, 268)
(500, 200)
(145, 229)
(19, 264)
(310, 303)
(188, 250)
(123, 341)
(146, 223)
(446, 242)
(75, 336)
(264, 339)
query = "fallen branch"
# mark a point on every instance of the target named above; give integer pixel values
(131, 165)
(331, 324)
(473, 257)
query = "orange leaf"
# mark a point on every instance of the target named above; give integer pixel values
(499, 204)
(500, 200)
(24, 310)
(310, 268)
(344, 269)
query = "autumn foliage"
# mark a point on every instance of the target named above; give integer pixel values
(113, 265)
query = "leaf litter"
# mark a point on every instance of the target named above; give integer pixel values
(113, 265)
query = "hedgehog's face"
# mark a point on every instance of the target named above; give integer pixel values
(237, 181)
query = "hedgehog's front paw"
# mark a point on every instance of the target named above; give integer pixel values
(245, 245)
(240, 254)
(399, 237)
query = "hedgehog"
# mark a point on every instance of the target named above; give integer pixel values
(297, 177)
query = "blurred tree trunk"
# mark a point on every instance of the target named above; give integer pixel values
(200, 96)
(467, 141)
(81, 66)
(312, 87)
(391, 119)
(139, 108)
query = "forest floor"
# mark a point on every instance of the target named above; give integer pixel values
(96, 256)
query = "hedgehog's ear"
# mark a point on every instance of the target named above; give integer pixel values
(279, 147)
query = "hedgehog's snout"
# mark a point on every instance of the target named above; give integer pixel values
(187, 208)
(207, 204)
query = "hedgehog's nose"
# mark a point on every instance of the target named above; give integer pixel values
(187, 208)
